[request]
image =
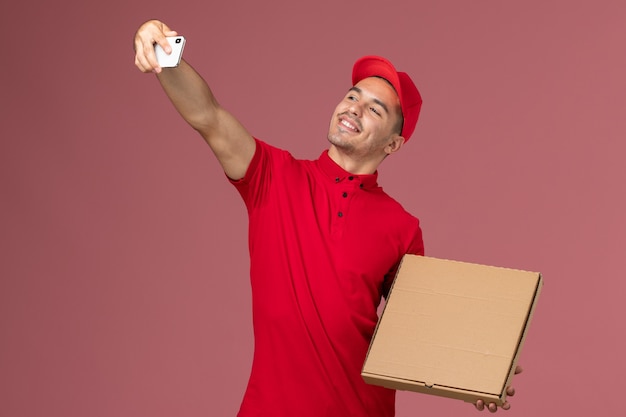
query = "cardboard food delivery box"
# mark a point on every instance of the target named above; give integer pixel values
(452, 329)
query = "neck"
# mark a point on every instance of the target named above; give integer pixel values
(352, 164)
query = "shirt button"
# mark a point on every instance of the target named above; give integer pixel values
(337, 179)
(350, 177)
(340, 214)
(361, 185)
(344, 195)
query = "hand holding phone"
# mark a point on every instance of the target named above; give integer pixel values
(177, 43)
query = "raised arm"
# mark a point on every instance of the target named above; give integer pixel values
(230, 141)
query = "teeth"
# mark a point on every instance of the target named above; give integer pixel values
(348, 125)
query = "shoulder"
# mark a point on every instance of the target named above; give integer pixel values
(273, 153)
(402, 222)
(391, 204)
(270, 162)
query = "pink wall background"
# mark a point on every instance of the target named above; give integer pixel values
(123, 254)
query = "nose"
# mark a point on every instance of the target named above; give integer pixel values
(355, 108)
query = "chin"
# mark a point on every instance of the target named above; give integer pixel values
(338, 143)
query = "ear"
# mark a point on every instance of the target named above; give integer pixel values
(394, 145)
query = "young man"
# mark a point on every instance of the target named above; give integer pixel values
(324, 239)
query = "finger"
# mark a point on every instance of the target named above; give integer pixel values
(140, 65)
(161, 39)
(150, 56)
(143, 60)
(150, 34)
(518, 369)
(160, 36)
(506, 405)
(480, 405)
(510, 391)
(493, 407)
(140, 59)
(167, 30)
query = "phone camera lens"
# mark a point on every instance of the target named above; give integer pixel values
(178, 40)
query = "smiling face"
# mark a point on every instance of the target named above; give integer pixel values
(366, 124)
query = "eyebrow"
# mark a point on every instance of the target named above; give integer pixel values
(377, 101)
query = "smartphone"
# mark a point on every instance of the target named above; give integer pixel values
(172, 60)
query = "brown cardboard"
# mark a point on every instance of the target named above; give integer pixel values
(452, 329)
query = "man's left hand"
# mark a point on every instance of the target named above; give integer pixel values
(493, 407)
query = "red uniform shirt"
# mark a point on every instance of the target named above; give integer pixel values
(324, 246)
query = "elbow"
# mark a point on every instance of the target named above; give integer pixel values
(204, 121)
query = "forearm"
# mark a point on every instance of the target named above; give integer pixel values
(191, 96)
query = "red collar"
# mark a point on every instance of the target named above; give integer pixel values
(337, 174)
